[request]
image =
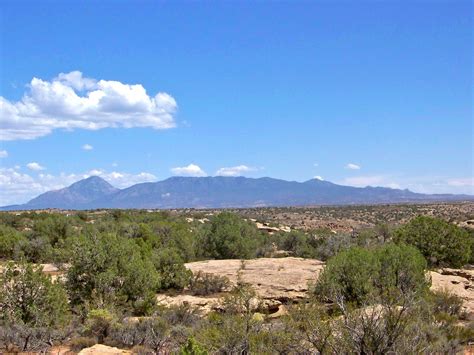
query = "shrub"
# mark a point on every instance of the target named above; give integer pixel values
(358, 275)
(228, 236)
(33, 309)
(27, 296)
(442, 243)
(349, 274)
(107, 267)
(99, 322)
(9, 239)
(173, 273)
(79, 343)
(402, 268)
(203, 284)
(192, 347)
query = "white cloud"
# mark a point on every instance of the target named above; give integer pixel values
(190, 170)
(35, 166)
(71, 101)
(17, 187)
(353, 166)
(316, 165)
(3, 154)
(317, 177)
(87, 147)
(234, 170)
(461, 182)
(373, 180)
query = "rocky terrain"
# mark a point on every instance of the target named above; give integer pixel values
(278, 281)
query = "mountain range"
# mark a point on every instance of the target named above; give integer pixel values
(220, 192)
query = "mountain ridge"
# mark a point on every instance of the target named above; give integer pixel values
(220, 192)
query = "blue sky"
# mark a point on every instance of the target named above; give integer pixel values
(358, 93)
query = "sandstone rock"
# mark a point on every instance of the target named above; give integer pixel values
(280, 279)
(457, 281)
(103, 349)
(276, 281)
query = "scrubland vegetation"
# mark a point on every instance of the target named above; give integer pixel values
(373, 296)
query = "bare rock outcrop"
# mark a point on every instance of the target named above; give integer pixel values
(103, 349)
(276, 280)
(457, 281)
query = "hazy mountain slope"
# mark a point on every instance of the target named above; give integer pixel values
(220, 192)
(75, 196)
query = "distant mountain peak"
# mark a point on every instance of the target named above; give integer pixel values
(81, 192)
(220, 192)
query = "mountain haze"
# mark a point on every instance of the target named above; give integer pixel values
(76, 195)
(220, 192)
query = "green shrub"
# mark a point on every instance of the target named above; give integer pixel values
(228, 236)
(402, 268)
(442, 243)
(173, 273)
(358, 275)
(108, 267)
(349, 274)
(192, 347)
(27, 296)
(9, 239)
(99, 323)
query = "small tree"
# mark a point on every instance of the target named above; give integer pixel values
(229, 237)
(442, 243)
(99, 323)
(358, 275)
(32, 307)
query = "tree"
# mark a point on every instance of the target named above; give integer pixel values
(358, 275)
(33, 309)
(99, 322)
(29, 297)
(9, 239)
(169, 264)
(107, 267)
(349, 274)
(229, 237)
(442, 243)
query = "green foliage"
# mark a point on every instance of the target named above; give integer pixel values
(192, 347)
(349, 274)
(229, 237)
(237, 329)
(358, 274)
(99, 322)
(108, 267)
(9, 239)
(169, 264)
(299, 244)
(442, 243)
(402, 268)
(29, 297)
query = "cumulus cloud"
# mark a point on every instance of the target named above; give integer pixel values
(35, 166)
(234, 170)
(353, 166)
(3, 154)
(71, 101)
(87, 147)
(17, 187)
(317, 177)
(190, 170)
